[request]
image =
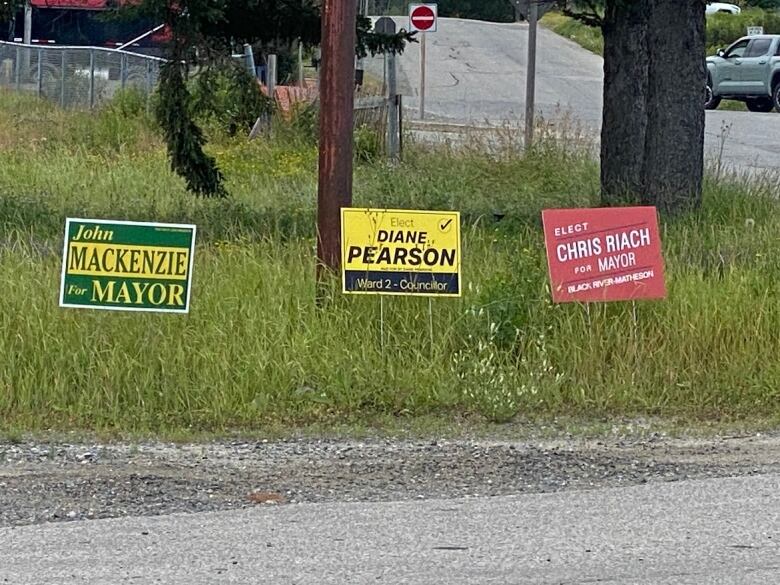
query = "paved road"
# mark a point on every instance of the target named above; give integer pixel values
(476, 73)
(689, 532)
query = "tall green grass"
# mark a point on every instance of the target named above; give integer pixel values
(256, 349)
(588, 37)
(722, 29)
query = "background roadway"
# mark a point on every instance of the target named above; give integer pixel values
(476, 75)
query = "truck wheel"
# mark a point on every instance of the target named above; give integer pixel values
(776, 97)
(711, 101)
(759, 105)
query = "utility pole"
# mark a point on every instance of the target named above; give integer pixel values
(337, 86)
(530, 85)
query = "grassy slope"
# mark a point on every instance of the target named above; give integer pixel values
(722, 30)
(587, 37)
(256, 351)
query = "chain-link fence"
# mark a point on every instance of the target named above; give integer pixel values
(76, 77)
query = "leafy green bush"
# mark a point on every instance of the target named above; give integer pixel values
(131, 102)
(495, 10)
(305, 121)
(724, 29)
(491, 10)
(229, 98)
(368, 144)
(764, 4)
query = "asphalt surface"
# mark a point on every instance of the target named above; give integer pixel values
(476, 75)
(476, 72)
(691, 532)
(637, 508)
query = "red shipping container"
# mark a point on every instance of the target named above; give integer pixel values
(71, 4)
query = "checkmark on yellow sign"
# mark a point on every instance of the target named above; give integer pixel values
(445, 225)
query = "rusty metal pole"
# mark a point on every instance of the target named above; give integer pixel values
(337, 86)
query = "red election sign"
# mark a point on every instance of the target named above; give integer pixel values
(598, 255)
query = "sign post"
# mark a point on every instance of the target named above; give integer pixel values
(530, 77)
(401, 252)
(531, 10)
(127, 266)
(600, 255)
(753, 31)
(387, 26)
(423, 60)
(423, 18)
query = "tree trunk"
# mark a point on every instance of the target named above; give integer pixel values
(625, 97)
(674, 142)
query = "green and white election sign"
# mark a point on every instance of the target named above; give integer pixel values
(127, 266)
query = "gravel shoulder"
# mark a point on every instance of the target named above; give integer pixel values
(46, 482)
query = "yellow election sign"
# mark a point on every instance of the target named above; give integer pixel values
(402, 252)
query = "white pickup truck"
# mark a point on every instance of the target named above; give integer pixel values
(749, 71)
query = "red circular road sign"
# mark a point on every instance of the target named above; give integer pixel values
(423, 18)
